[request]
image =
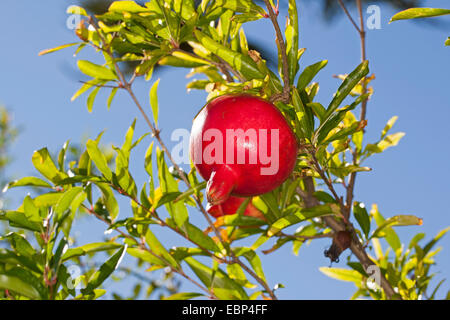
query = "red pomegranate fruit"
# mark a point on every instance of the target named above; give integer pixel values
(243, 146)
(231, 206)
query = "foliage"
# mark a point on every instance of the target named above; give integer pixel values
(333, 150)
(416, 13)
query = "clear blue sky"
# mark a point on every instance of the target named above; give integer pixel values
(412, 69)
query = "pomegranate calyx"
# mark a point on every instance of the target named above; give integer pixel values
(220, 185)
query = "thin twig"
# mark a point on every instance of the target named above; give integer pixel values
(341, 3)
(256, 277)
(285, 96)
(356, 247)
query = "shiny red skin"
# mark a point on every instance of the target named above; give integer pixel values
(231, 206)
(244, 112)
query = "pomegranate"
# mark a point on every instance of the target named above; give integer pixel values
(243, 146)
(231, 206)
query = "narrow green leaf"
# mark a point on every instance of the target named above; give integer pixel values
(47, 51)
(301, 215)
(66, 200)
(154, 101)
(17, 285)
(389, 234)
(96, 71)
(414, 13)
(309, 73)
(105, 271)
(126, 6)
(111, 97)
(346, 87)
(20, 220)
(156, 247)
(222, 286)
(242, 63)
(89, 248)
(99, 159)
(361, 215)
(183, 296)
(43, 162)
(292, 40)
(28, 182)
(76, 10)
(343, 274)
(91, 99)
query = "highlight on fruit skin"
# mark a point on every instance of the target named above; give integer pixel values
(231, 206)
(243, 146)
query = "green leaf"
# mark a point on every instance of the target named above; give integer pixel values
(304, 114)
(301, 215)
(89, 248)
(154, 101)
(222, 286)
(447, 42)
(76, 10)
(247, 6)
(183, 296)
(168, 184)
(126, 6)
(105, 271)
(43, 162)
(66, 200)
(180, 62)
(292, 40)
(253, 259)
(20, 244)
(343, 274)
(85, 87)
(389, 234)
(414, 13)
(361, 215)
(20, 220)
(47, 51)
(109, 200)
(431, 244)
(15, 284)
(388, 126)
(201, 239)
(309, 73)
(91, 98)
(242, 63)
(400, 220)
(387, 142)
(346, 87)
(28, 182)
(96, 71)
(99, 159)
(111, 97)
(159, 249)
(146, 256)
(239, 220)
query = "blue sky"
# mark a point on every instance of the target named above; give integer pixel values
(412, 69)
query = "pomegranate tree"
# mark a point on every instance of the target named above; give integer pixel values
(243, 146)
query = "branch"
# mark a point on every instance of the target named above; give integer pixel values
(285, 96)
(362, 37)
(349, 15)
(144, 247)
(337, 226)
